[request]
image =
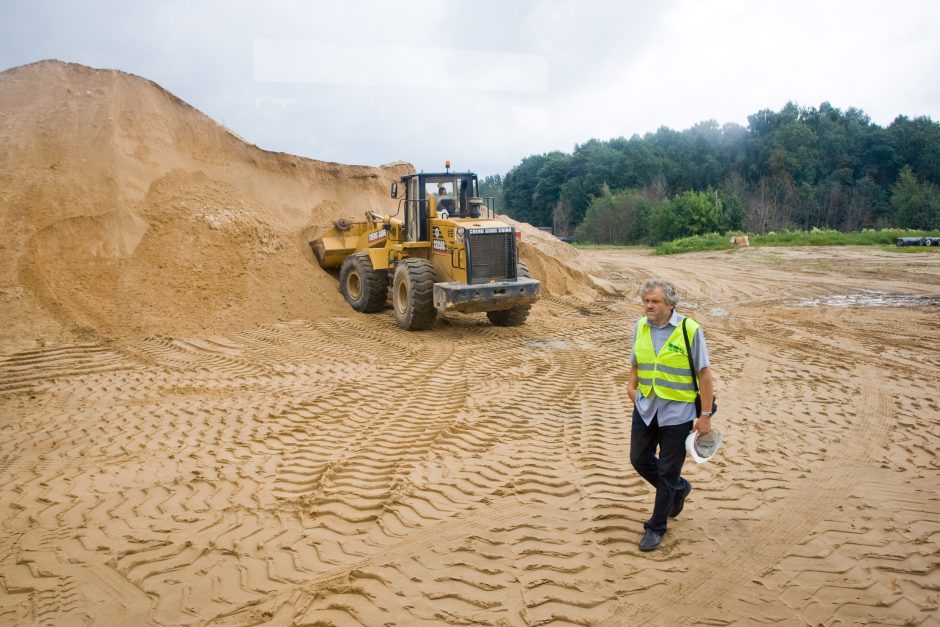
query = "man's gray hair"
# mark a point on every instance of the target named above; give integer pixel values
(669, 290)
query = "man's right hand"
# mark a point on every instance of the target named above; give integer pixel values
(702, 425)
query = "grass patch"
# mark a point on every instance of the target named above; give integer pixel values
(815, 237)
(697, 243)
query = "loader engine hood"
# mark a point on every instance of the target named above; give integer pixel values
(490, 247)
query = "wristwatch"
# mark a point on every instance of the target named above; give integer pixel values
(707, 414)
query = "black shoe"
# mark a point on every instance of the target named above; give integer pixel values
(679, 503)
(651, 540)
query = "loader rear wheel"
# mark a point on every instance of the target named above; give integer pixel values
(516, 316)
(413, 294)
(363, 287)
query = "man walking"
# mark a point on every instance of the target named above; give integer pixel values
(663, 394)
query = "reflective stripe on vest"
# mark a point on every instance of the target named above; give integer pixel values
(666, 375)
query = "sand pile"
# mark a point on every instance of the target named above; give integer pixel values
(126, 211)
(560, 267)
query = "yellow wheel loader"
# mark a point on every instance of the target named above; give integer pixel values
(443, 250)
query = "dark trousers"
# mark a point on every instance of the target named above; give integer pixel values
(663, 473)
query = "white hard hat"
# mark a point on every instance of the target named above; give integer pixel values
(703, 447)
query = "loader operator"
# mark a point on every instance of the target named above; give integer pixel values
(444, 202)
(664, 412)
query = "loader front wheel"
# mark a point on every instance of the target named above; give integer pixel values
(516, 316)
(413, 294)
(363, 287)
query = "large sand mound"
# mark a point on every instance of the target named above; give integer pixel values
(126, 211)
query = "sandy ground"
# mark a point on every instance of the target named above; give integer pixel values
(344, 471)
(196, 429)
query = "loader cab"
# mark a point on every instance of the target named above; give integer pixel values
(442, 195)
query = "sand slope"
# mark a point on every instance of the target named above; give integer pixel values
(124, 210)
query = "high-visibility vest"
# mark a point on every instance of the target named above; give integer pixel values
(667, 374)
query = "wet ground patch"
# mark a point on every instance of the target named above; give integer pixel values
(869, 299)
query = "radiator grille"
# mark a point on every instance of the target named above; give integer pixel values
(491, 257)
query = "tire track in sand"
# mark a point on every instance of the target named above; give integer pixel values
(472, 466)
(481, 476)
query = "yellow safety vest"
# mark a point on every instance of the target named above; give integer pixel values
(667, 375)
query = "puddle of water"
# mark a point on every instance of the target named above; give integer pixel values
(869, 299)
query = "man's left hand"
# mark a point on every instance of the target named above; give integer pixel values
(703, 425)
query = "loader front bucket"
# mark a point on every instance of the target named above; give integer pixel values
(335, 245)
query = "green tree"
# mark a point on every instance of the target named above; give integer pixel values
(596, 163)
(638, 164)
(793, 152)
(621, 217)
(918, 144)
(730, 213)
(689, 213)
(550, 178)
(866, 204)
(698, 210)
(664, 223)
(492, 187)
(917, 205)
(575, 198)
(797, 167)
(519, 189)
(880, 161)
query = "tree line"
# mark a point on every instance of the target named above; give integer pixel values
(796, 168)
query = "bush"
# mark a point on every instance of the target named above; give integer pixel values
(696, 243)
(689, 213)
(916, 204)
(814, 237)
(618, 218)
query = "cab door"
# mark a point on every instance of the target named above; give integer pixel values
(413, 201)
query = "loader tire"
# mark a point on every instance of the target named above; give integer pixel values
(413, 294)
(516, 316)
(364, 288)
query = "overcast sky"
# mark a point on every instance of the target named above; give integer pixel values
(486, 83)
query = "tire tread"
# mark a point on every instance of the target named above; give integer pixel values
(516, 316)
(374, 283)
(421, 312)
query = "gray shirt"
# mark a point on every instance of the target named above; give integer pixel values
(669, 413)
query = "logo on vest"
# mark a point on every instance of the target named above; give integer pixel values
(676, 349)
